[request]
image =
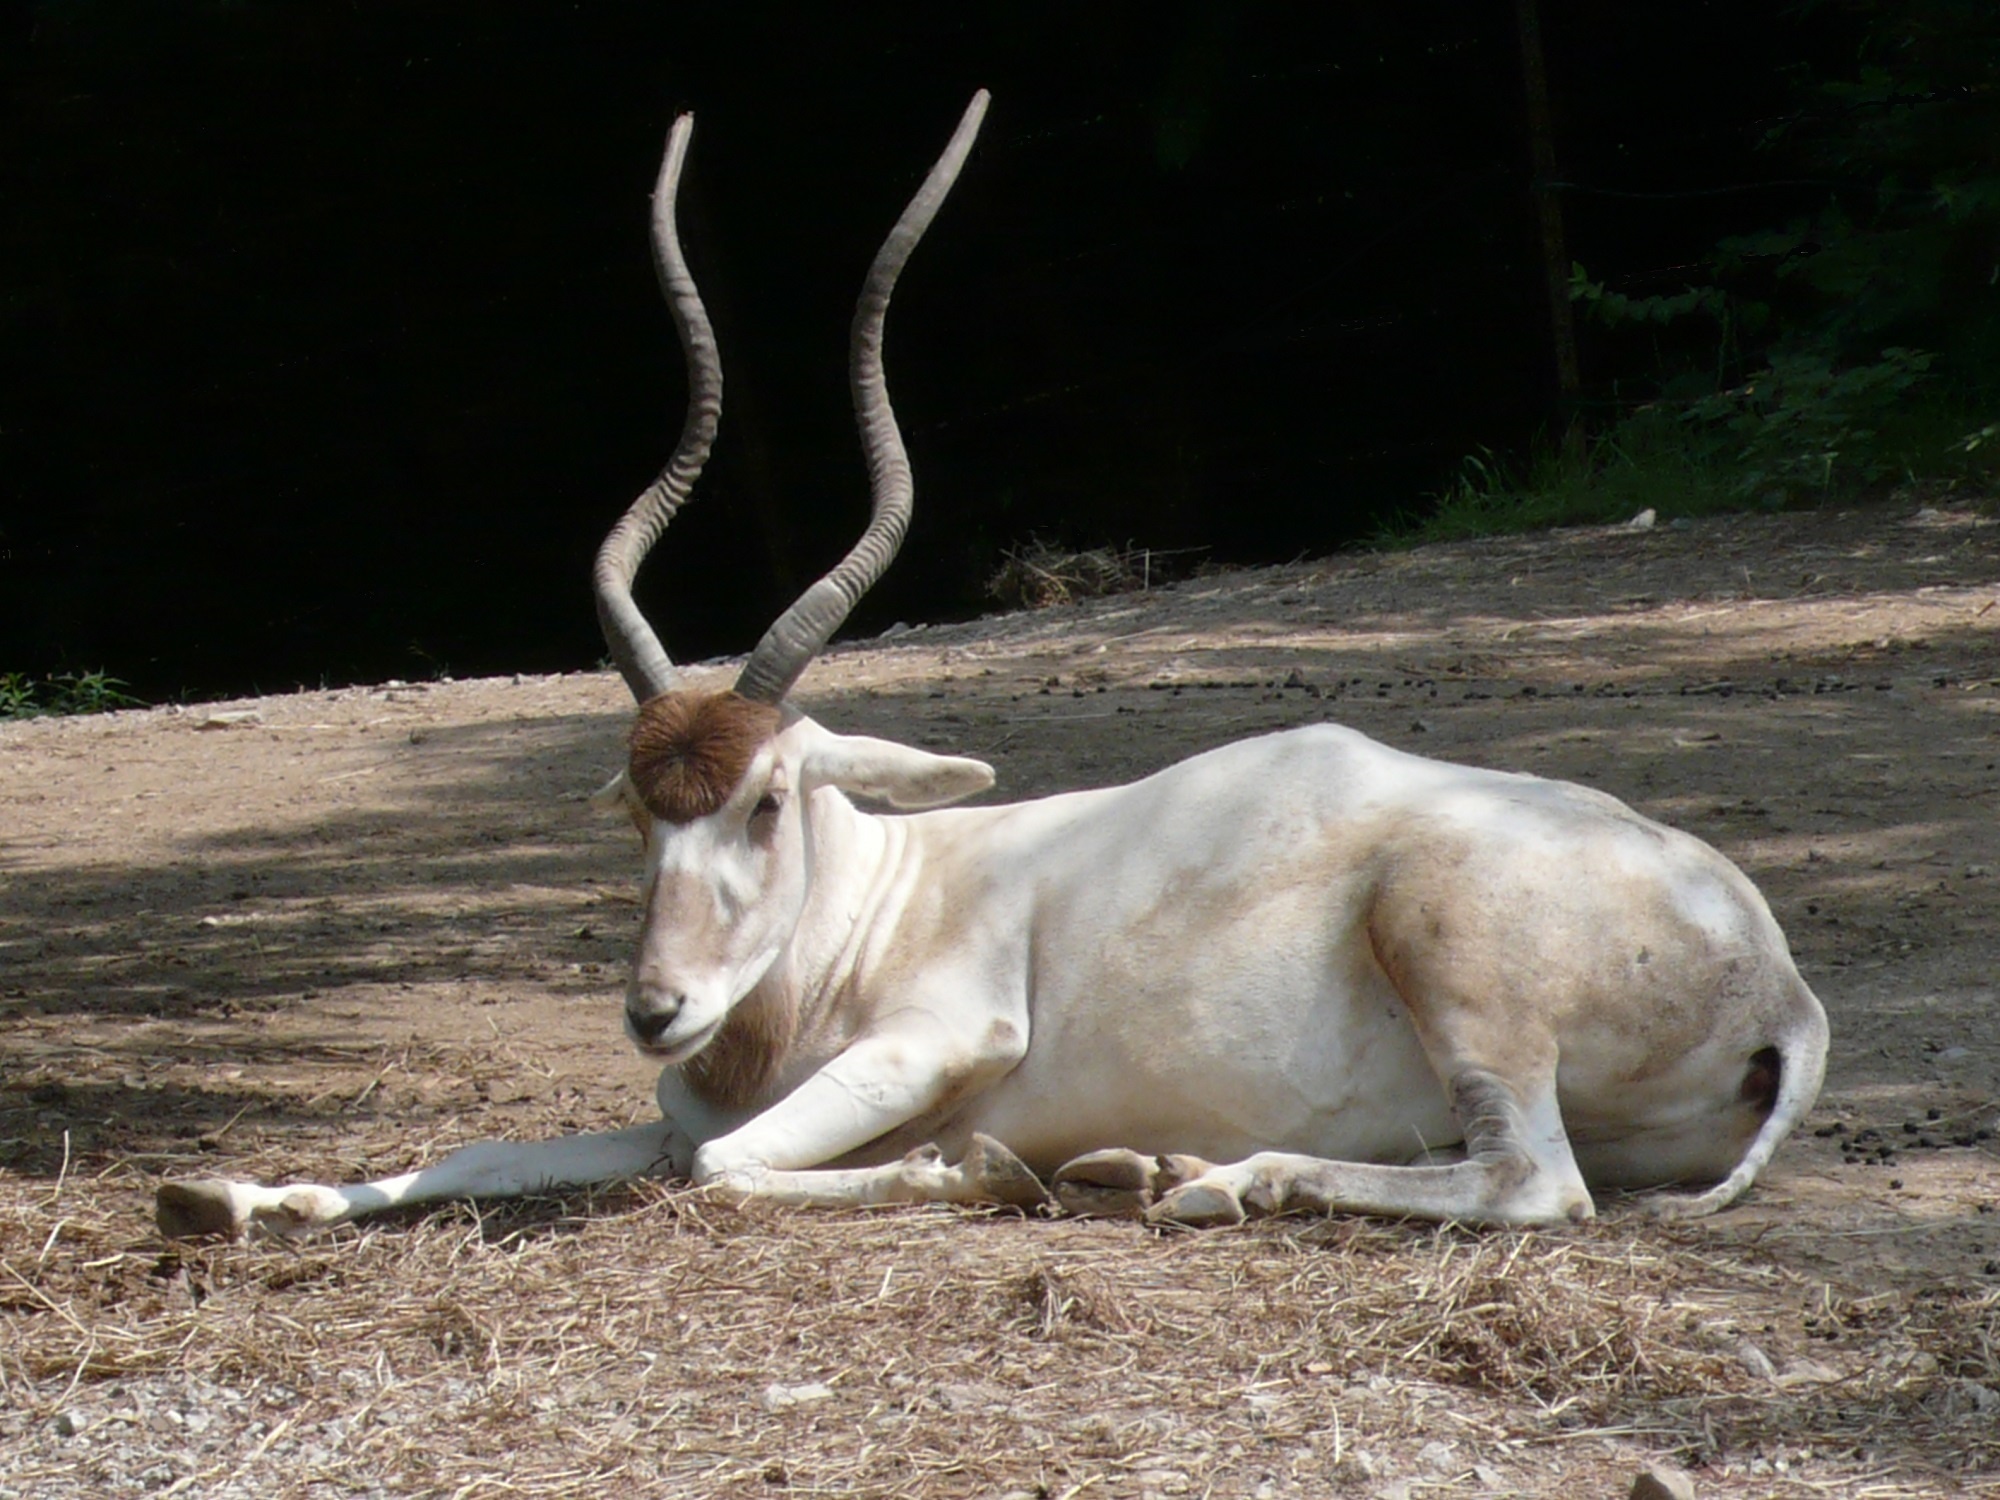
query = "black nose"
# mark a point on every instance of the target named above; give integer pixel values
(650, 1017)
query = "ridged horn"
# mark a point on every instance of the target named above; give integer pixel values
(641, 660)
(799, 633)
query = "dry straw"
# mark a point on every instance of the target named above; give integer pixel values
(654, 1341)
(1037, 574)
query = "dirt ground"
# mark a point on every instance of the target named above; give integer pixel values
(334, 934)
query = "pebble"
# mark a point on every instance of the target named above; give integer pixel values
(782, 1397)
(1437, 1454)
(1756, 1361)
(1659, 1482)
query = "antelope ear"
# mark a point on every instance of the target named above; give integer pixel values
(892, 773)
(618, 796)
(615, 795)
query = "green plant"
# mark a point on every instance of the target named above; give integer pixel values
(61, 693)
(1650, 463)
(1801, 422)
(1615, 308)
(1972, 442)
(17, 696)
(89, 693)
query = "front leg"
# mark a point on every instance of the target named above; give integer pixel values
(485, 1169)
(908, 1067)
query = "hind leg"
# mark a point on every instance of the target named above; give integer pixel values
(1486, 1029)
(1518, 1169)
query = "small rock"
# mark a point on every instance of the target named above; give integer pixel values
(1437, 1454)
(976, 1396)
(783, 1397)
(1807, 1372)
(1659, 1482)
(1756, 1361)
(1358, 1464)
(1644, 521)
(70, 1423)
(1964, 1398)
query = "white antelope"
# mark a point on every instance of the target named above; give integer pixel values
(1305, 971)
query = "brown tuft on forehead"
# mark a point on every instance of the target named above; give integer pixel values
(690, 750)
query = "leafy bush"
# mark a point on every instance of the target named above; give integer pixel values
(1855, 346)
(1802, 423)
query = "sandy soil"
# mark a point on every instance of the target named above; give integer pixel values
(335, 933)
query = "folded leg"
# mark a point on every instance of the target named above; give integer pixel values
(987, 1173)
(1518, 1169)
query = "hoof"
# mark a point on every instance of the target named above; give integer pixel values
(1107, 1184)
(1121, 1184)
(191, 1210)
(1002, 1176)
(736, 1186)
(1198, 1205)
(301, 1211)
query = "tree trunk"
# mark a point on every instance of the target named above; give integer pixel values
(1548, 205)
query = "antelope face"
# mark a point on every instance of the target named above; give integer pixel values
(723, 894)
(713, 795)
(719, 788)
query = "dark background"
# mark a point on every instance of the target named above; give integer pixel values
(329, 342)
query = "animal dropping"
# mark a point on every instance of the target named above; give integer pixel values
(1305, 971)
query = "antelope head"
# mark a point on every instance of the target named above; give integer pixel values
(721, 784)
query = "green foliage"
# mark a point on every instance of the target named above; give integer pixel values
(1614, 309)
(1779, 446)
(1903, 251)
(1855, 346)
(1647, 466)
(1803, 424)
(1972, 442)
(25, 697)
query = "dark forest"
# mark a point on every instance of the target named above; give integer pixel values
(329, 340)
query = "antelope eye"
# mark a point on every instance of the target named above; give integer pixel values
(768, 805)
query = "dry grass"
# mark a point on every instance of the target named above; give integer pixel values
(662, 1342)
(1037, 574)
